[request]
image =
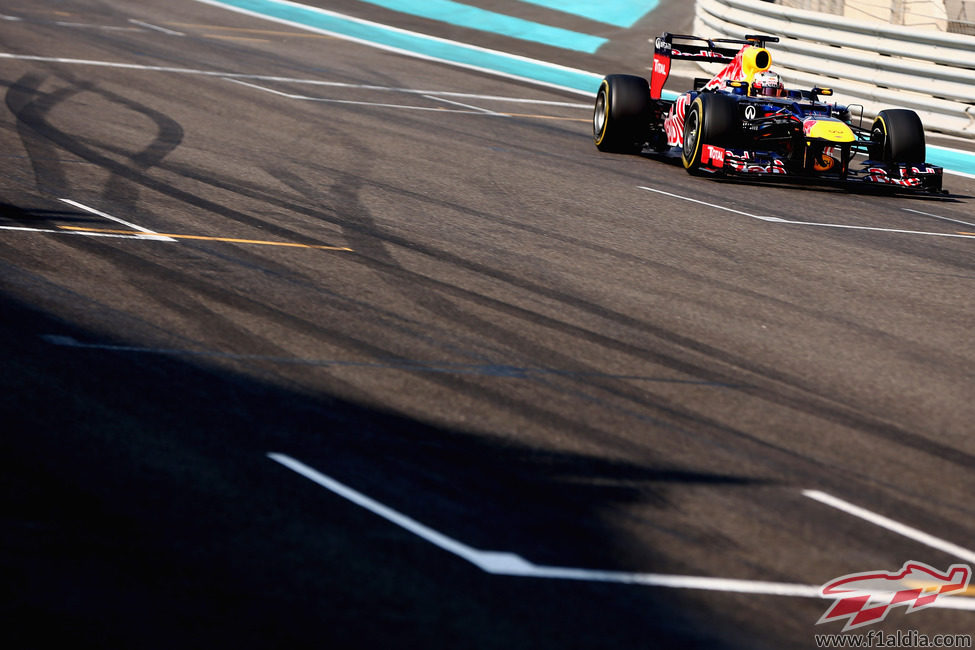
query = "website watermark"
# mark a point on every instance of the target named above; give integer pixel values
(861, 599)
(898, 639)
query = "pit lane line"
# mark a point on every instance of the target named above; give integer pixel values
(467, 110)
(510, 564)
(235, 76)
(145, 234)
(958, 235)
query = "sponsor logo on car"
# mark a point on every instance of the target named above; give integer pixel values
(741, 166)
(713, 156)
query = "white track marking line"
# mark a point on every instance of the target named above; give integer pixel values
(811, 223)
(938, 216)
(891, 525)
(62, 23)
(326, 100)
(99, 213)
(258, 77)
(411, 53)
(10, 18)
(510, 564)
(140, 237)
(267, 90)
(157, 28)
(474, 108)
(710, 205)
(124, 66)
(416, 91)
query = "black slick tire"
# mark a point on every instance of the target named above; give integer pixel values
(621, 116)
(710, 119)
(897, 136)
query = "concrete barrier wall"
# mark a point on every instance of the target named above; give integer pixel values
(873, 64)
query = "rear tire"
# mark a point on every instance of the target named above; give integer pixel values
(711, 119)
(897, 136)
(621, 117)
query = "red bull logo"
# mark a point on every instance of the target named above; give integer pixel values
(865, 598)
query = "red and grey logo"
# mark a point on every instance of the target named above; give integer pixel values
(865, 598)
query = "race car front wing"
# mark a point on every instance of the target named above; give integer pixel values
(915, 177)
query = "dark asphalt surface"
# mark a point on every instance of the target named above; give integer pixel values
(521, 349)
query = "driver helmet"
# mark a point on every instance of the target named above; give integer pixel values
(767, 84)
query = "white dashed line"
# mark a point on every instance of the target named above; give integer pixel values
(310, 82)
(156, 27)
(462, 105)
(326, 100)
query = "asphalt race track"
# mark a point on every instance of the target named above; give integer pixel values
(308, 344)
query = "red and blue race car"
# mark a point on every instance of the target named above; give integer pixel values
(743, 121)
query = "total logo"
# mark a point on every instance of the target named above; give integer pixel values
(713, 156)
(659, 68)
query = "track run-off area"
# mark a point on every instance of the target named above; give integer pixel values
(329, 326)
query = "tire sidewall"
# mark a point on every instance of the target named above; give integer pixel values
(621, 115)
(601, 114)
(897, 136)
(695, 112)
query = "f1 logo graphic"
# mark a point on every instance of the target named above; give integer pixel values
(865, 598)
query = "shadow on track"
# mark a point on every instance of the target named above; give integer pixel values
(141, 511)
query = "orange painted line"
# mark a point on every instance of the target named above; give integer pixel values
(931, 586)
(231, 240)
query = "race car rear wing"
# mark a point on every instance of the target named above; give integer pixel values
(695, 48)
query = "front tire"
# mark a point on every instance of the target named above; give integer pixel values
(621, 116)
(711, 119)
(897, 136)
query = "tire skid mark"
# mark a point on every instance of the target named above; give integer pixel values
(32, 117)
(784, 394)
(365, 236)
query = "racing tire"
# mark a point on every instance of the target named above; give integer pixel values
(711, 119)
(897, 136)
(621, 116)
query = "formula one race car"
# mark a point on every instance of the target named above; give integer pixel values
(744, 122)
